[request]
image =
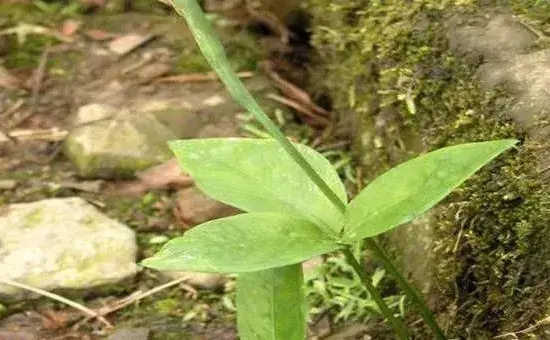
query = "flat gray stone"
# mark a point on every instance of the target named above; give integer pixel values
(64, 243)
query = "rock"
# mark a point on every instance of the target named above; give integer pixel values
(120, 147)
(91, 113)
(64, 244)
(500, 38)
(212, 281)
(130, 334)
(528, 77)
(193, 207)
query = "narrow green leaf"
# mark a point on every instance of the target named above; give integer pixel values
(271, 304)
(411, 188)
(243, 243)
(257, 175)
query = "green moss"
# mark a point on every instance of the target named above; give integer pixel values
(28, 54)
(536, 10)
(32, 218)
(18, 12)
(491, 243)
(167, 306)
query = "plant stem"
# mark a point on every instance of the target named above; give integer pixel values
(422, 308)
(214, 53)
(397, 325)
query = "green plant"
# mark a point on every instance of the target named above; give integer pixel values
(297, 208)
(333, 287)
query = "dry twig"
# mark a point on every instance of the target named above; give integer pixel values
(514, 335)
(134, 297)
(319, 120)
(50, 135)
(197, 77)
(36, 81)
(58, 298)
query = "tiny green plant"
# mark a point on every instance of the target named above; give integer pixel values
(295, 207)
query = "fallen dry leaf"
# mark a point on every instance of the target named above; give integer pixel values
(70, 27)
(160, 176)
(292, 91)
(151, 72)
(8, 81)
(193, 208)
(127, 43)
(53, 320)
(317, 120)
(98, 35)
(198, 77)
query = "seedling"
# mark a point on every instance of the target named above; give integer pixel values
(296, 208)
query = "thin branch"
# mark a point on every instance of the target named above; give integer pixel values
(58, 298)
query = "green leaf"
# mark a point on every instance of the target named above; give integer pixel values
(271, 304)
(243, 243)
(411, 188)
(257, 175)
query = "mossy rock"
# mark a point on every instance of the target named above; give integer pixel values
(401, 87)
(119, 147)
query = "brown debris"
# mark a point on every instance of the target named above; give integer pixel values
(157, 177)
(8, 81)
(99, 35)
(317, 120)
(51, 135)
(198, 77)
(149, 73)
(127, 43)
(292, 91)
(70, 27)
(136, 296)
(193, 208)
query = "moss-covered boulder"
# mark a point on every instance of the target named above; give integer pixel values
(410, 76)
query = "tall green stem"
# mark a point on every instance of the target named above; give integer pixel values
(422, 308)
(214, 53)
(397, 325)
